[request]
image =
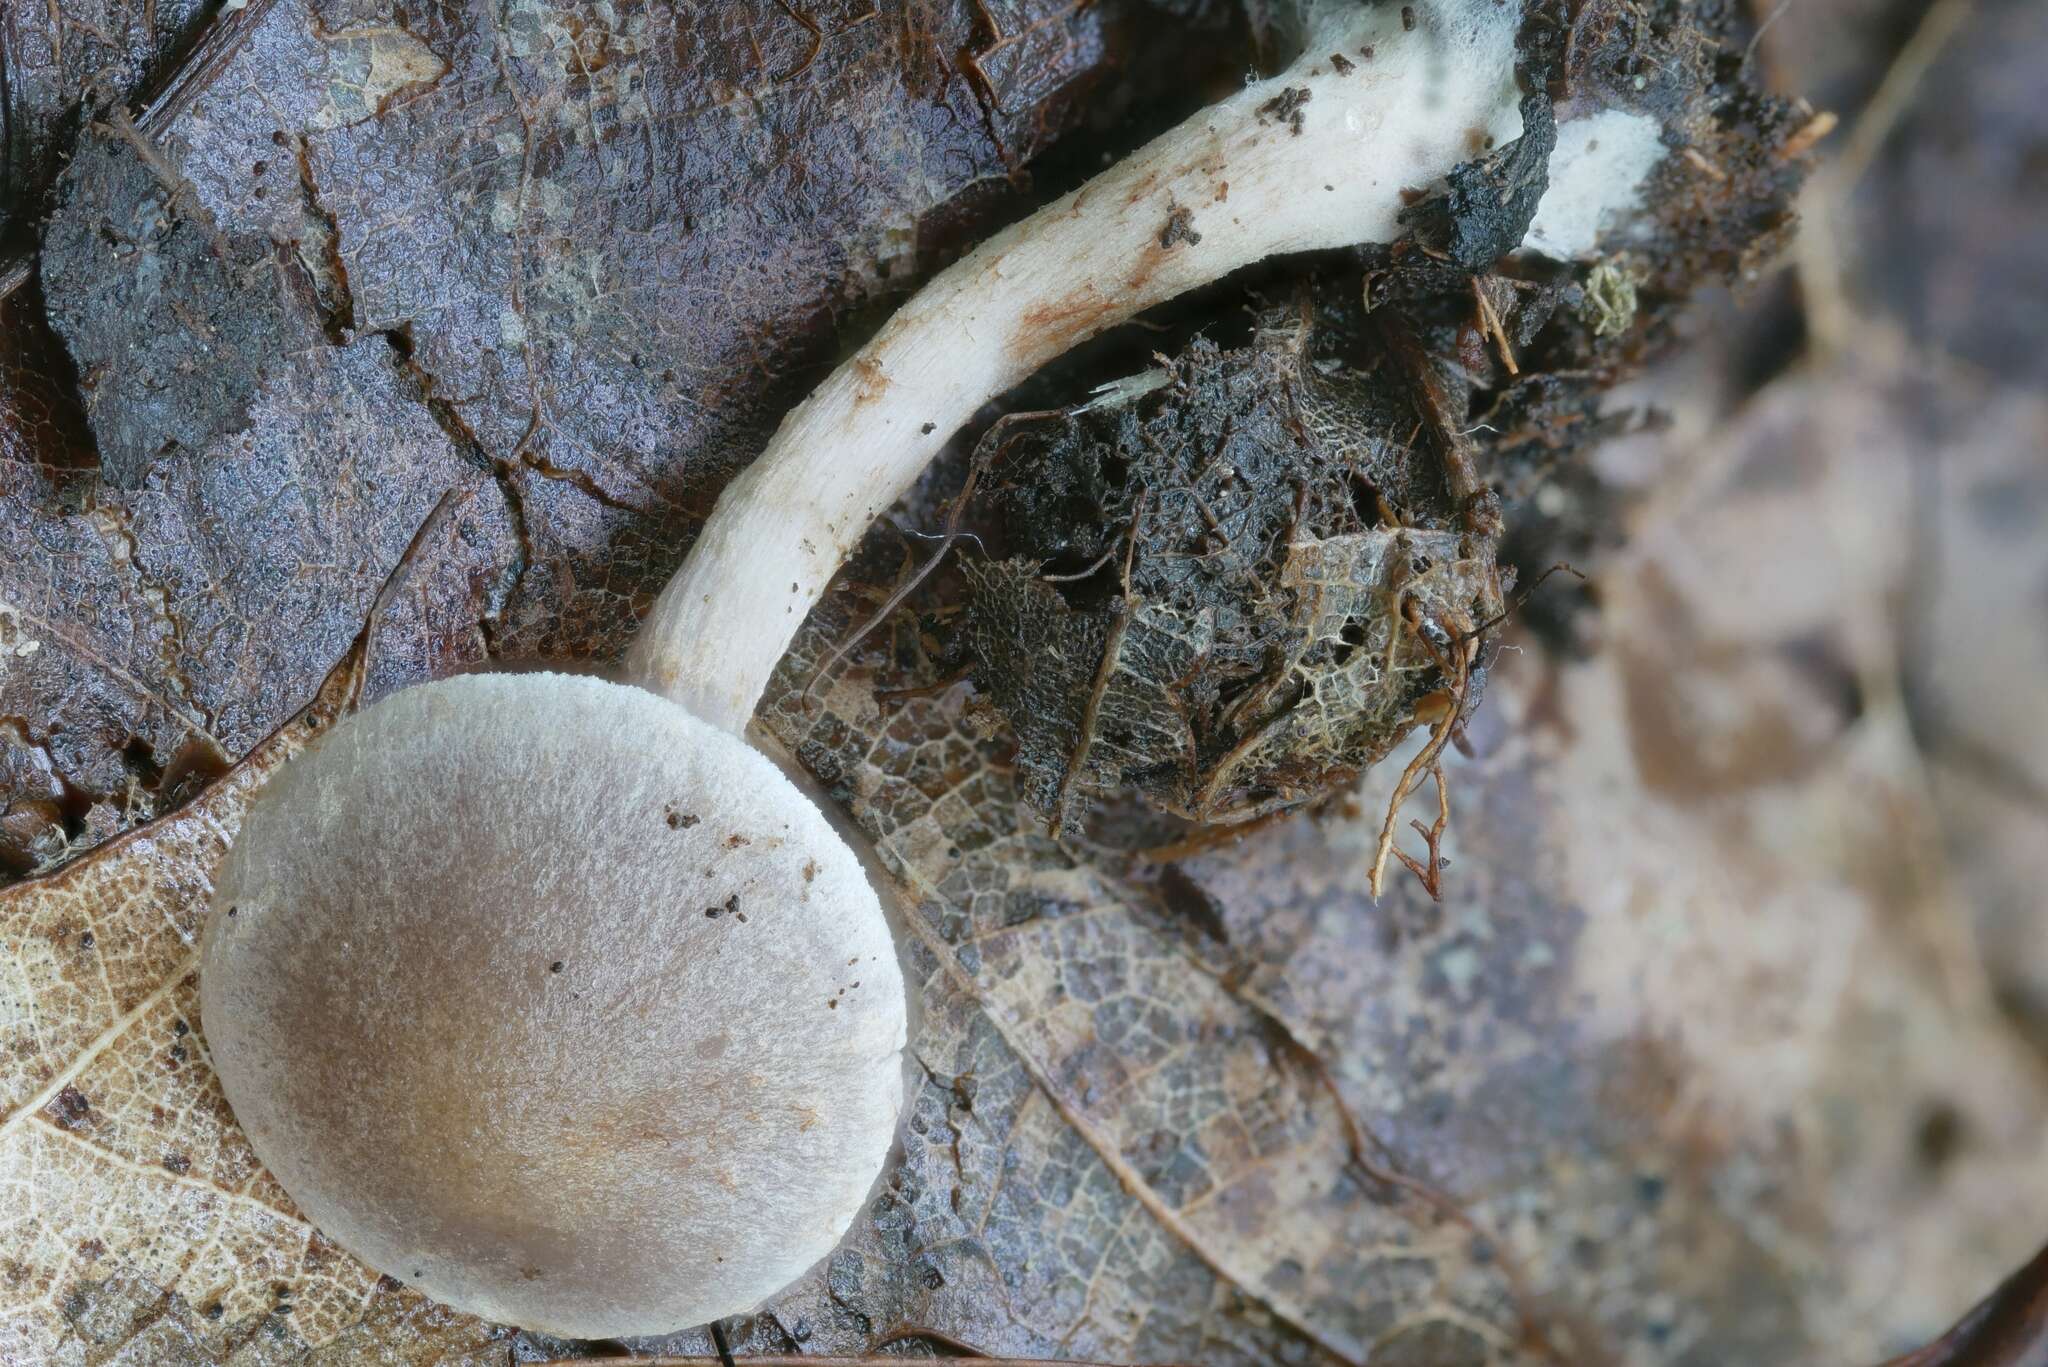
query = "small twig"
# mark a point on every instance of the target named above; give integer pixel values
(923, 535)
(1706, 165)
(1521, 599)
(1426, 759)
(1088, 573)
(1489, 323)
(899, 595)
(1210, 838)
(1431, 875)
(2008, 1328)
(817, 35)
(1834, 320)
(1895, 93)
(402, 570)
(720, 1342)
(1757, 38)
(983, 458)
(1809, 133)
(900, 1332)
(1112, 649)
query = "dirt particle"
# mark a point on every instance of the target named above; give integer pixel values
(1366, 52)
(180, 1029)
(680, 821)
(733, 842)
(810, 870)
(1408, 18)
(87, 940)
(928, 429)
(1344, 65)
(1180, 227)
(1193, 904)
(1940, 1134)
(177, 1163)
(1286, 107)
(556, 967)
(70, 1108)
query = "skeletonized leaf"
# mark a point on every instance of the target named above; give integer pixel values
(134, 1212)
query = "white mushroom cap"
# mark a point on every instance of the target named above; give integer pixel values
(579, 1017)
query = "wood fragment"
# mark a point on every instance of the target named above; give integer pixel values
(1704, 163)
(1489, 323)
(1812, 131)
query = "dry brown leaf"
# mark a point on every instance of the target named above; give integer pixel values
(134, 1211)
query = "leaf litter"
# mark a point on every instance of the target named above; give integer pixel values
(1129, 1143)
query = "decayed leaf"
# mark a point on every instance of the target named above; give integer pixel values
(55, 54)
(1163, 1111)
(135, 1216)
(1639, 1042)
(616, 242)
(196, 292)
(1677, 1041)
(154, 632)
(1207, 596)
(196, 610)
(1141, 1149)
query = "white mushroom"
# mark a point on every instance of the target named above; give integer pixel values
(554, 999)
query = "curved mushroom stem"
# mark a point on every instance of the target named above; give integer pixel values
(1384, 98)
